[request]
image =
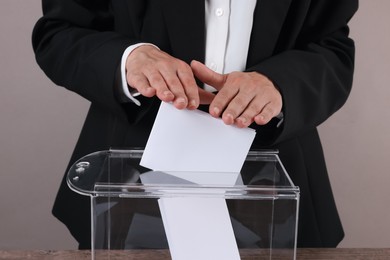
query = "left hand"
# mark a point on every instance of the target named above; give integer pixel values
(243, 97)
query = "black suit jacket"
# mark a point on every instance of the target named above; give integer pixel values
(302, 45)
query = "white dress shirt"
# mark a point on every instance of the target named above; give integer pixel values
(228, 30)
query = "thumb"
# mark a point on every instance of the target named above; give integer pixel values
(206, 75)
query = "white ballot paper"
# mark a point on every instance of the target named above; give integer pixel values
(198, 228)
(194, 146)
(194, 141)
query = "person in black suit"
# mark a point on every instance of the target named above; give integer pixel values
(300, 62)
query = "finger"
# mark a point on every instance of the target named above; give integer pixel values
(247, 117)
(140, 83)
(268, 112)
(174, 84)
(157, 82)
(243, 122)
(240, 106)
(207, 76)
(221, 101)
(188, 82)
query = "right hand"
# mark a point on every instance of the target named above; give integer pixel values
(153, 72)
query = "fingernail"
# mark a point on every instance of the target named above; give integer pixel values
(167, 93)
(228, 119)
(192, 104)
(181, 100)
(216, 111)
(242, 120)
(260, 117)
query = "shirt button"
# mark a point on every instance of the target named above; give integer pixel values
(219, 12)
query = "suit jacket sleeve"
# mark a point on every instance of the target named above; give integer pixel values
(313, 69)
(76, 46)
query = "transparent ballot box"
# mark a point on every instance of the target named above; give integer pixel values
(127, 213)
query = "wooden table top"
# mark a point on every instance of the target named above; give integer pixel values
(302, 254)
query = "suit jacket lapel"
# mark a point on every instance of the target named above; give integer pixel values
(186, 28)
(268, 20)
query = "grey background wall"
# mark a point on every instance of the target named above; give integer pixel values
(40, 123)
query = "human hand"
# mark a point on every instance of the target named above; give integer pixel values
(243, 97)
(153, 72)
